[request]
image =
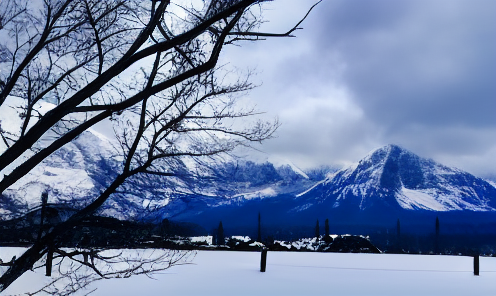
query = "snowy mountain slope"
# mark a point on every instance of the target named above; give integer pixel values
(394, 177)
(71, 175)
(234, 184)
(76, 173)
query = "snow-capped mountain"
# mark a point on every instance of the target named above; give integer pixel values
(71, 175)
(395, 177)
(76, 173)
(388, 183)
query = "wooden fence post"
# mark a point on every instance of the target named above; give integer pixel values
(263, 261)
(476, 264)
(49, 261)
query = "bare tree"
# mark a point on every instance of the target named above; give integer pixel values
(75, 269)
(150, 67)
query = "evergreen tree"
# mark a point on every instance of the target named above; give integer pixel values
(317, 231)
(398, 229)
(436, 246)
(327, 227)
(437, 226)
(259, 236)
(165, 228)
(398, 235)
(220, 235)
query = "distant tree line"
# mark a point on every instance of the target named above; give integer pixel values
(94, 231)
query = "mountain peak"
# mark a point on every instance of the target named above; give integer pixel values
(383, 167)
(391, 147)
(394, 176)
(386, 151)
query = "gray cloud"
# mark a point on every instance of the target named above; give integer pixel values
(432, 66)
(366, 73)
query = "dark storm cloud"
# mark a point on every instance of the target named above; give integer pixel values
(422, 62)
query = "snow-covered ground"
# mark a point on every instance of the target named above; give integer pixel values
(289, 273)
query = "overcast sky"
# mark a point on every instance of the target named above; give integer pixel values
(367, 73)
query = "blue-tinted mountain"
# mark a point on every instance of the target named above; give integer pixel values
(388, 184)
(392, 177)
(77, 172)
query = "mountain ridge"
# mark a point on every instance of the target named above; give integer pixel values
(389, 178)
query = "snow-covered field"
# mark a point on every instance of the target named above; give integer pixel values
(288, 273)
